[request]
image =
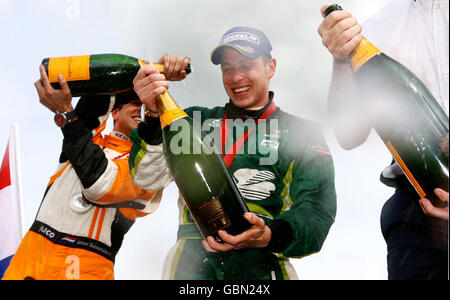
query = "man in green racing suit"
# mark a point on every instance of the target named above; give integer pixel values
(283, 169)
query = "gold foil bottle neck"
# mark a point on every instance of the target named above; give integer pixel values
(168, 109)
(362, 53)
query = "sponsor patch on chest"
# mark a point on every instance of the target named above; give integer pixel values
(254, 184)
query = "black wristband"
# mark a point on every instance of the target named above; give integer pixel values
(74, 130)
(150, 130)
(282, 235)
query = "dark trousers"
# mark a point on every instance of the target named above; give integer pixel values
(417, 245)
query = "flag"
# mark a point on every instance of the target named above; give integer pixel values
(11, 212)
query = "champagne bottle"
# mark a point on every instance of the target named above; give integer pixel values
(107, 74)
(200, 173)
(408, 118)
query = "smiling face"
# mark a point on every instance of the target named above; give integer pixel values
(246, 80)
(127, 117)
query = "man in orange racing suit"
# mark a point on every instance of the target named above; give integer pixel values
(91, 201)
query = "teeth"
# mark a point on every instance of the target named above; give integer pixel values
(242, 89)
(137, 119)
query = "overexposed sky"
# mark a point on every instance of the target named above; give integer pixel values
(34, 29)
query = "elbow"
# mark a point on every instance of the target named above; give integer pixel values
(349, 141)
(350, 128)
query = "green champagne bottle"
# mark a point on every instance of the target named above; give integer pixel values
(96, 74)
(200, 173)
(407, 117)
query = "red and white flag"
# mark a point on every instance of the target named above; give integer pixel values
(11, 211)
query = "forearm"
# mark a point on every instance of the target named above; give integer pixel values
(345, 106)
(311, 229)
(312, 195)
(281, 235)
(308, 221)
(87, 158)
(148, 165)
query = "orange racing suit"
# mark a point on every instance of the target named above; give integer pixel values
(89, 204)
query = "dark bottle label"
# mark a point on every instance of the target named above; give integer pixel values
(213, 215)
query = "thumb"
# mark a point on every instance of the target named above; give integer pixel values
(63, 83)
(254, 219)
(324, 8)
(443, 195)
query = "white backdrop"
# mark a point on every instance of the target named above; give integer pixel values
(34, 29)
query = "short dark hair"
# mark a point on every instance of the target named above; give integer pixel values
(124, 98)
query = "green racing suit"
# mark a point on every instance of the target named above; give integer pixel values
(285, 174)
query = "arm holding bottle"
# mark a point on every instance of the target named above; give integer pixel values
(340, 34)
(55, 100)
(102, 178)
(77, 143)
(427, 207)
(148, 84)
(148, 165)
(431, 210)
(257, 236)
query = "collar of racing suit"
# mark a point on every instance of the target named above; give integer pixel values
(235, 112)
(117, 144)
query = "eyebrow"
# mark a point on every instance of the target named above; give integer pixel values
(244, 60)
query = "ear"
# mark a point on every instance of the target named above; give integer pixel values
(271, 66)
(115, 114)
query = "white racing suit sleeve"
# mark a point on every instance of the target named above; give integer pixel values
(105, 177)
(148, 165)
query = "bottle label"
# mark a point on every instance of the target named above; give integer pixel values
(213, 215)
(169, 116)
(72, 68)
(363, 52)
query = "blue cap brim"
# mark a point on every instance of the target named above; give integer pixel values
(216, 54)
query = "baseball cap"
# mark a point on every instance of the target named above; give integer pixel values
(249, 41)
